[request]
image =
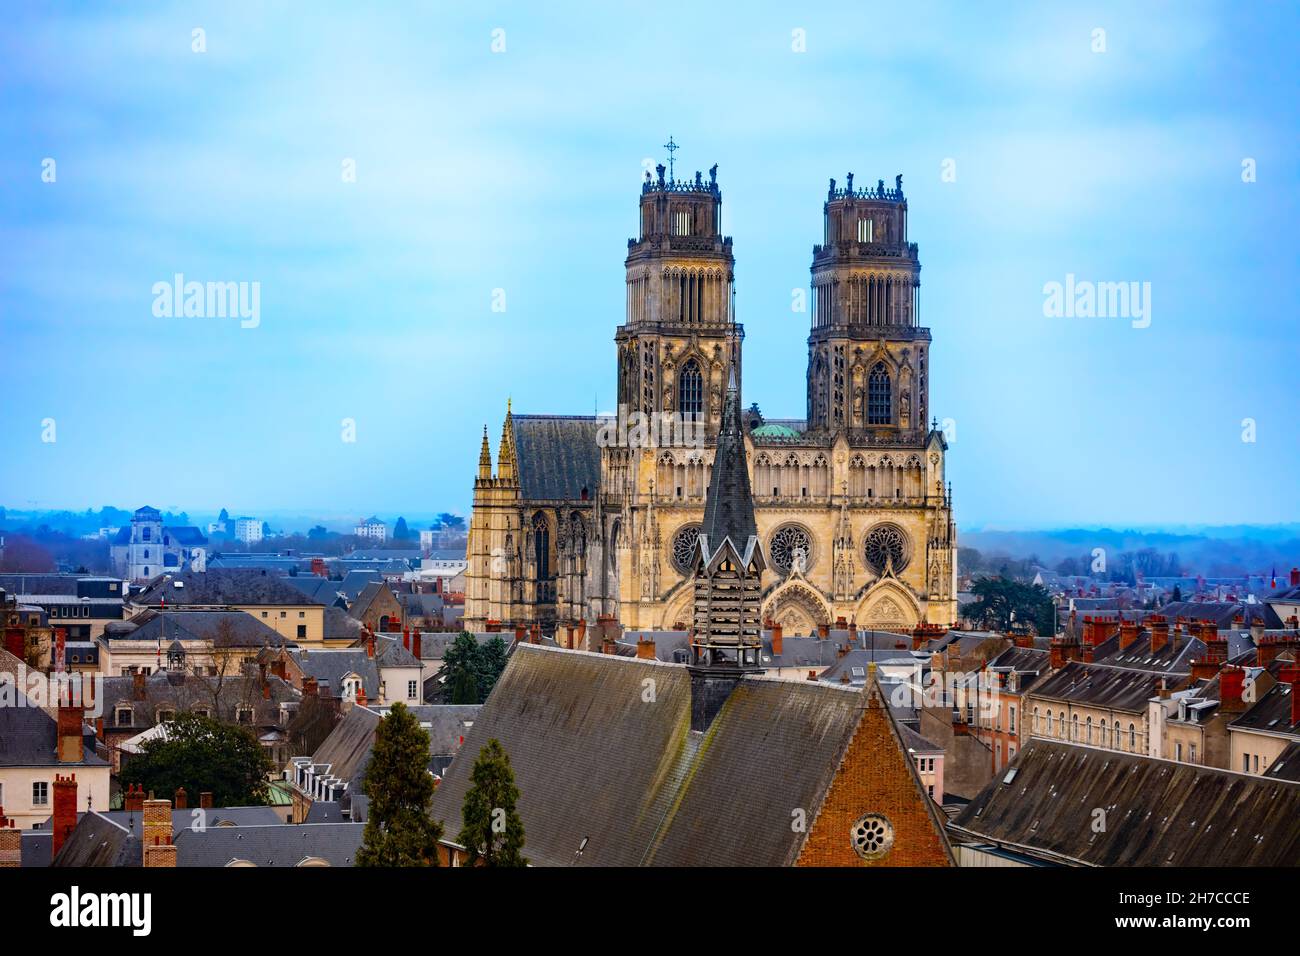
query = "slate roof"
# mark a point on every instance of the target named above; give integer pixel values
(282, 845)
(330, 665)
(1271, 714)
(183, 691)
(595, 761)
(556, 456)
(222, 628)
(222, 587)
(347, 748)
(318, 589)
(1098, 686)
(1158, 812)
(354, 582)
(366, 598)
(1175, 657)
(29, 737)
(1287, 764)
(729, 506)
(23, 584)
(340, 625)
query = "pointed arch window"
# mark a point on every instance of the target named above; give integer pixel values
(690, 390)
(879, 411)
(542, 545)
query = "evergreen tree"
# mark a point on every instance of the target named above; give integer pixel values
(492, 832)
(400, 531)
(491, 662)
(1178, 593)
(460, 666)
(399, 831)
(203, 754)
(465, 689)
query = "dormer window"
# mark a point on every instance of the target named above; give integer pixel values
(122, 716)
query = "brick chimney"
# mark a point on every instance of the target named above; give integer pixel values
(309, 687)
(1128, 632)
(406, 638)
(370, 643)
(492, 626)
(71, 722)
(607, 645)
(1295, 577)
(1266, 650)
(521, 632)
(11, 843)
(157, 834)
(777, 642)
(823, 631)
(415, 646)
(1295, 699)
(133, 799)
(360, 697)
(180, 801)
(64, 819)
(205, 799)
(645, 649)
(812, 675)
(1159, 632)
(582, 634)
(137, 685)
(1231, 681)
(535, 634)
(919, 637)
(1204, 669)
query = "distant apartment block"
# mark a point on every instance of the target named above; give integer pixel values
(248, 530)
(371, 528)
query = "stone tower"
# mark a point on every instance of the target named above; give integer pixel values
(673, 354)
(867, 358)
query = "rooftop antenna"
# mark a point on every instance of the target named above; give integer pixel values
(672, 148)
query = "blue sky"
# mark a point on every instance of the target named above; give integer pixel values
(519, 170)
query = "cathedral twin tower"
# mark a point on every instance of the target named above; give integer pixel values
(587, 519)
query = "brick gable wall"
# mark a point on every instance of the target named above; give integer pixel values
(876, 776)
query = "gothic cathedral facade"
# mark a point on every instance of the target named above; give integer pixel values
(587, 518)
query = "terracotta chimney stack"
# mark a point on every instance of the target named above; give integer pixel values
(137, 685)
(1128, 632)
(415, 646)
(645, 649)
(1295, 577)
(521, 632)
(1159, 633)
(11, 844)
(205, 799)
(1231, 681)
(71, 725)
(133, 799)
(65, 811)
(180, 801)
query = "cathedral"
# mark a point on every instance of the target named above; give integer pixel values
(598, 519)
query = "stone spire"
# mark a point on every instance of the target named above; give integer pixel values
(485, 458)
(506, 450)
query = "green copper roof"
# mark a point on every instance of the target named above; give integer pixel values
(774, 431)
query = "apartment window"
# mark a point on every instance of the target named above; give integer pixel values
(1256, 763)
(1132, 737)
(1178, 752)
(1191, 753)
(263, 614)
(1245, 763)
(1074, 727)
(40, 793)
(284, 613)
(122, 716)
(1089, 730)
(1011, 719)
(1049, 723)
(302, 613)
(302, 630)
(411, 689)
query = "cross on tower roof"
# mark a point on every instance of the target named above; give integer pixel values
(672, 148)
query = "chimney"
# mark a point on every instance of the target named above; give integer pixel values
(156, 834)
(159, 851)
(645, 649)
(1159, 633)
(309, 687)
(205, 799)
(823, 631)
(406, 638)
(535, 634)
(919, 636)
(65, 810)
(11, 844)
(777, 642)
(812, 675)
(1265, 651)
(1295, 699)
(415, 646)
(521, 632)
(137, 685)
(361, 697)
(492, 626)
(582, 634)
(133, 799)
(1231, 680)
(71, 722)
(607, 645)
(1128, 632)
(1204, 669)
(181, 801)
(370, 644)
(1295, 577)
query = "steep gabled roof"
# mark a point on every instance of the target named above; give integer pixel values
(218, 587)
(1156, 812)
(556, 456)
(602, 752)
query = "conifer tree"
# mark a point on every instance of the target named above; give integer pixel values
(492, 832)
(399, 831)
